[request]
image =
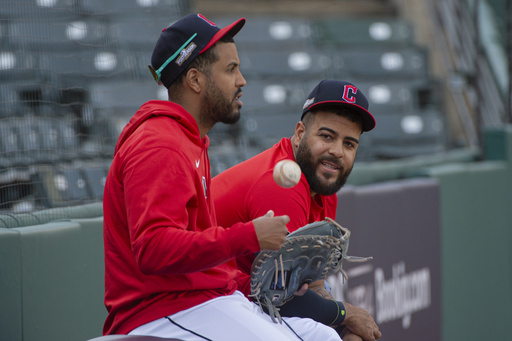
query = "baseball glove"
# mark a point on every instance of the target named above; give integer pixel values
(311, 253)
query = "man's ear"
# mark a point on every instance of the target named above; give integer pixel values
(194, 80)
(300, 130)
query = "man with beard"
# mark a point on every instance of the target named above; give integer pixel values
(170, 270)
(324, 145)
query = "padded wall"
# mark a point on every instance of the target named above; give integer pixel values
(93, 284)
(10, 285)
(51, 280)
(476, 250)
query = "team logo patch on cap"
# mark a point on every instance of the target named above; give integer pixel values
(308, 102)
(185, 53)
(349, 93)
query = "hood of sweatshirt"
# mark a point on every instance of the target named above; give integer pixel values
(155, 108)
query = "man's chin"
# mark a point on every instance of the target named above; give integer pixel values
(330, 184)
(234, 118)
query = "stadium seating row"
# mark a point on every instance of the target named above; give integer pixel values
(91, 63)
(72, 31)
(52, 185)
(44, 8)
(69, 184)
(26, 141)
(74, 71)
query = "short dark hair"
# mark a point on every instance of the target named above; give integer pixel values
(343, 112)
(202, 62)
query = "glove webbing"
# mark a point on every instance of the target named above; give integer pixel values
(312, 241)
(305, 241)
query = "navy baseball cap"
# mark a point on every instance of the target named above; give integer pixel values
(343, 94)
(183, 41)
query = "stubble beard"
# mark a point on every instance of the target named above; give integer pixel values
(216, 108)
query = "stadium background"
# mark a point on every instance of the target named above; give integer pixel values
(72, 72)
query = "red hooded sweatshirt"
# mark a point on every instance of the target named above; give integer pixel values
(163, 249)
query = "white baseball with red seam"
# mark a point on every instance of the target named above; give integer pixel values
(287, 173)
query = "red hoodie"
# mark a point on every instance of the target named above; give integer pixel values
(163, 249)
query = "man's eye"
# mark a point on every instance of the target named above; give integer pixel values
(350, 144)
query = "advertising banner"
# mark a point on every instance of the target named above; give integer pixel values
(398, 224)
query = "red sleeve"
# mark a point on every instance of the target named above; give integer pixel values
(266, 195)
(331, 205)
(244, 283)
(169, 222)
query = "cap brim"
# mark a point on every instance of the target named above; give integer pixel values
(231, 30)
(368, 119)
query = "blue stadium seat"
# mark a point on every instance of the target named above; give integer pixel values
(8, 100)
(59, 32)
(127, 95)
(134, 7)
(264, 33)
(399, 63)
(106, 129)
(76, 67)
(264, 128)
(68, 139)
(390, 96)
(23, 96)
(223, 157)
(267, 94)
(37, 8)
(10, 145)
(49, 132)
(296, 64)
(357, 32)
(139, 32)
(60, 185)
(413, 134)
(71, 183)
(95, 177)
(16, 65)
(5, 27)
(29, 138)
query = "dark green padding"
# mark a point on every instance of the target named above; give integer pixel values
(52, 281)
(476, 201)
(93, 284)
(45, 216)
(10, 286)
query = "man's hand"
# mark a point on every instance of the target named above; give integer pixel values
(349, 336)
(271, 231)
(360, 322)
(319, 288)
(302, 290)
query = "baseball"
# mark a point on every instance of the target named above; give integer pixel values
(287, 173)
